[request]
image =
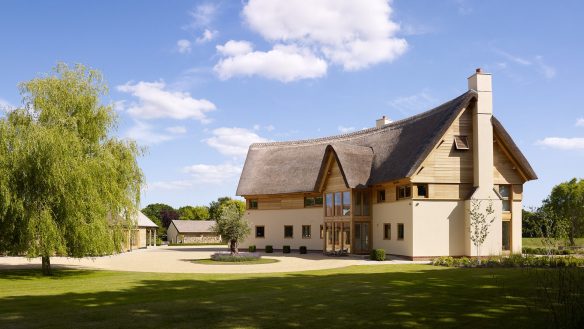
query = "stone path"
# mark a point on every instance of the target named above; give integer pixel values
(168, 259)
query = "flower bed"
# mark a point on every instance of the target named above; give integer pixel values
(239, 257)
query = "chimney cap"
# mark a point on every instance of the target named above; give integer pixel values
(479, 70)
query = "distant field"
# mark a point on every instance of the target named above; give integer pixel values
(396, 296)
(537, 242)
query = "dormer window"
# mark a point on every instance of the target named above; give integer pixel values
(461, 142)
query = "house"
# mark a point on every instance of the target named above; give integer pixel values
(192, 231)
(142, 235)
(405, 186)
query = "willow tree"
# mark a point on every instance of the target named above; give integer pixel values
(67, 187)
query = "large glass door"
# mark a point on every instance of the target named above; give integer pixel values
(361, 238)
(337, 237)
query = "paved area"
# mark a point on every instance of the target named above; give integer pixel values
(166, 259)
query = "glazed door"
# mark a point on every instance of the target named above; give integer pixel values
(361, 238)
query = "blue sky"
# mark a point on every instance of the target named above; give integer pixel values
(198, 81)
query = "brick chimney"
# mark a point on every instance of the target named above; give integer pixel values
(382, 122)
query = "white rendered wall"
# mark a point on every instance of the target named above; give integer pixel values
(393, 213)
(439, 228)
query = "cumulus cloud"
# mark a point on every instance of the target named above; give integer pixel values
(345, 130)
(580, 122)
(563, 143)
(203, 15)
(220, 173)
(207, 36)
(183, 46)
(284, 62)
(233, 141)
(154, 101)
(144, 133)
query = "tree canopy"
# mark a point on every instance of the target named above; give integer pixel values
(566, 204)
(216, 207)
(66, 186)
(193, 213)
(231, 226)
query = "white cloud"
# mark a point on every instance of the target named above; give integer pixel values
(284, 63)
(156, 102)
(353, 34)
(345, 130)
(207, 36)
(416, 103)
(204, 173)
(235, 48)
(144, 133)
(256, 127)
(547, 71)
(233, 141)
(5, 105)
(270, 127)
(563, 143)
(203, 15)
(183, 46)
(177, 130)
(536, 62)
(580, 122)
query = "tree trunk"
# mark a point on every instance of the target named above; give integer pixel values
(46, 265)
(233, 247)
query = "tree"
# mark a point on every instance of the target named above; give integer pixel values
(193, 213)
(232, 226)
(566, 204)
(216, 207)
(531, 223)
(67, 186)
(480, 223)
(154, 211)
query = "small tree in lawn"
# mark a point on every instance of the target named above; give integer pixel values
(480, 223)
(231, 226)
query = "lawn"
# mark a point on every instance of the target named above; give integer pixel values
(538, 243)
(416, 296)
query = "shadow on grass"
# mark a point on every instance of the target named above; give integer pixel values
(357, 297)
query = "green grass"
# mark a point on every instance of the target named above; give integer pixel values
(414, 296)
(537, 242)
(246, 262)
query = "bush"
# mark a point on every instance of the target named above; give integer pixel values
(544, 251)
(510, 261)
(303, 250)
(377, 254)
(269, 249)
(251, 248)
(286, 249)
(228, 257)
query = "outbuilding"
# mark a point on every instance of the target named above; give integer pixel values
(192, 231)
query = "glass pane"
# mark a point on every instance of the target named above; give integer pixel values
(308, 202)
(288, 231)
(347, 236)
(329, 237)
(346, 203)
(338, 204)
(506, 243)
(358, 196)
(422, 190)
(337, 236)
(506, 205)
(400, 231)
(408, 191)
(318, 200)
(366, 203)
(329, 204)
(504, 190)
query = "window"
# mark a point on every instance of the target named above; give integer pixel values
(329, 204)
(400, 231)
(380, 196)
(338, 204)
(253, 204)
(260, 232)
(422, 190)
(322, 231)
(505, 192)
(362, 203)
(461, 142)
(288, 231)
(358, 203)
(306, 231)
(387, 231)
(313, 201)
(347, 203)
(366, 203)
(404, 192)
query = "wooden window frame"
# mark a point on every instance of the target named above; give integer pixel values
(425, 186)
(381, 196)
(403, 231)
(461, 143)
(405, 189)
(322, 231)
(292, 231)
(251, 204)
(256, 232)
(506, 199)
(309, 232)
(313, 204)
(385, 235)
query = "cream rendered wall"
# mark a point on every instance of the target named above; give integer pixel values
(274, 222)
(438, 228)
(516, 235)
(492, 245)
(393, 213)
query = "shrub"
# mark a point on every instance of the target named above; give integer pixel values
(269, 249)
(286, 249)
(303, 249)
(228, 257)
(377, 254)
(251, 248)
(511, 261)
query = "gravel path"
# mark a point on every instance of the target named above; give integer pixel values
(167, 259)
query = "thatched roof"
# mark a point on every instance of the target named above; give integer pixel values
(366, 157)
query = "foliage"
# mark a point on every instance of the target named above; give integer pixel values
(193, 213)
(216, 207)
(286, 249)
(480, 222)
(154, 212)
(251, 248)
(547, 251)
(303, 249)
(240, 257)
(232, 227)
(269, 249)
(66, 186)
(566, 205)
(167, 216)
(377, 254)
(510, 261)
(531, 223)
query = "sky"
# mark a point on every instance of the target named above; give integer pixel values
(196, 82)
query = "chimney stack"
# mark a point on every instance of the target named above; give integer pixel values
(382, 122)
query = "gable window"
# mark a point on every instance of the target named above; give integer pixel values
(306, 231)
(338, 204)
(505, 192)
(346, 203)
(313, 201)
(387, 231)
(288, 231)
(253, 204)
(400, 231)
(404, 192)
(422, 190)
(260, 232)
(461, 143)
(329, 204)
(380, 196)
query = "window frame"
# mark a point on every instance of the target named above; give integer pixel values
(425, 186)
(309, 232)
(506, 199)
(461, 143)
(291, 231)
(401, 231)
(321, 231)
(263, 231)
(407, 192)
(381, 196)
(310, 201)
(386, 236)
(251, 204)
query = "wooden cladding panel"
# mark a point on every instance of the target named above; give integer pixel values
(449, 191)
(504, 171)
(446, 164)
(517, 192)
(334, 180)
(281, 202)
